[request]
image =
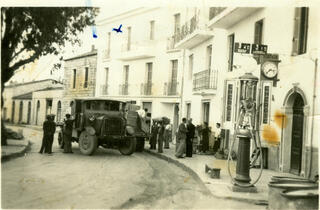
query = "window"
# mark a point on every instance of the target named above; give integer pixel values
(176, 23)
(299, 45)
(86, 77)
(20, 111)
(49, 106)
(230, 58)
(149, 73)
(126, 74)
(107, 76)
(209, 56)
(266, 103)
(109, 45)
(258, 32)
(152, 30)
(13, 110)
(190, 66)
(229, 96)
(129, 38)
(74, 78)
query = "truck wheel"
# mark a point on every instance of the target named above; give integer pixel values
(128, 146)
(140, 145)
(87, 143)
(60, 140)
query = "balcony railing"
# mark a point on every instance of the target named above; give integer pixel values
(205, 80)
(170, 43)
(214, 11)
(188, 28)
(146, 88)
(104, 89)
(170, 88)
(124, 89)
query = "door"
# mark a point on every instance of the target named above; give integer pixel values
(206, 112)
(13, 110)
(29, 112)
(297, 135)
(20, 111)
(37, 112)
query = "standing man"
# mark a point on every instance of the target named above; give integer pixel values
(190, 136)
(205, 137)
(181, 138)
(160, 137)
(167, 136)
(154, 133)
(46, 131)
(67, 134)
(217, 136)
(52, 130)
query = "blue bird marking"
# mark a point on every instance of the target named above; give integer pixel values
(118, 30)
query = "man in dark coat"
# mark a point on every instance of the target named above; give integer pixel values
(205, 137)
(190, 136)
(154, 133)
(181, 139)
(52, 130)
(67, 134)
(46, 136)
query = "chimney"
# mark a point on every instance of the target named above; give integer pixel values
(92, 48)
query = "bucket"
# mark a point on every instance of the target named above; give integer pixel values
(275, 188)
(300, 199)
(215, 173)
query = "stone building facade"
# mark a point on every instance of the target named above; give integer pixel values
(79, 79)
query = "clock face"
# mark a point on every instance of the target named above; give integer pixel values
(269, 69)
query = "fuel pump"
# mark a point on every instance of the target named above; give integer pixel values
(246, 131)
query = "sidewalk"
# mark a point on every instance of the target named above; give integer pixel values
(15, 148)
(220, 188)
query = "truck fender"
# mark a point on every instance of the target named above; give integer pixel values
(90, 130)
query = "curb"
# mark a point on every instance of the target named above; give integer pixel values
(16, 154)
(198, 179)
(182, 166)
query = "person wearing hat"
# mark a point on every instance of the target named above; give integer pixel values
(67, 134)
(46, 136)
(52, 130)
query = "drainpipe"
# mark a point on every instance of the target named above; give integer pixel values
(182, 83)
(313, 107)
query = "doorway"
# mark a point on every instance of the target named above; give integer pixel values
(297, 135)
(37, 112)
(29, 112)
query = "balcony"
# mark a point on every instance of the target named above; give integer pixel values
(106, 54)
(225, 18)
(171, 41)
(204, 82)
(124, 89)
(171, 88)
(137, 50)
(104, 89)
(146, 89)
(192, 33)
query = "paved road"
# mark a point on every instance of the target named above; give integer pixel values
(105, 180)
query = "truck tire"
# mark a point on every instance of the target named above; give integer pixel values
(60, 140)
(87, 143)
(140, 145)
(128, 146)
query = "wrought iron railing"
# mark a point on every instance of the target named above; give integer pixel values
(214, 11)
(206, 79)
(146, 88)
(171, 88)
(188, 28)
(104, 89)
(124, 89)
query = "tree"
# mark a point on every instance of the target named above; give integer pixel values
(27, 33)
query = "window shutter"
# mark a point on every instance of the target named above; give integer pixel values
(296, 32)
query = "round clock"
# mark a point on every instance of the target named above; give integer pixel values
(269, 69)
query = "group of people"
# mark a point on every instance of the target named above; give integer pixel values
(160, 133)
(186, 134)
(49, 128)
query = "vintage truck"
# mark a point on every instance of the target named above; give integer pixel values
(109, 124)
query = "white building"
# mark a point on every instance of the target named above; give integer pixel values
(140, 63)
(290, 33)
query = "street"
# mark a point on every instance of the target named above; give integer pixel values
(104, 180)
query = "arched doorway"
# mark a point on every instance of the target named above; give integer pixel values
(297, 134)
(13, 110)
(294, 154)
(20, 111)
(29, 112)
(37, 112)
